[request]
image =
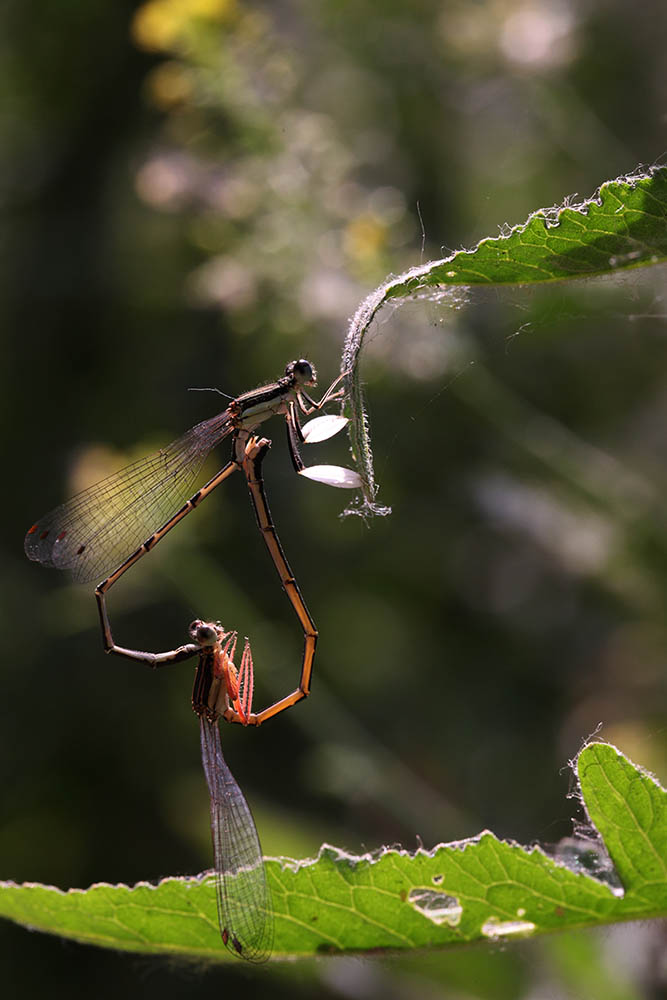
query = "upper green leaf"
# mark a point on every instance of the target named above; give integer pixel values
(457, 893)
(623, 225)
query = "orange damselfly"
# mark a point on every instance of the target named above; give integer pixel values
(243, 897)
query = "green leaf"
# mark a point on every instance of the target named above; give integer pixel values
(629, 809)
(457, 893)
(624, 225)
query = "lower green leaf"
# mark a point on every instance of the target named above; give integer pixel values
(458, 893)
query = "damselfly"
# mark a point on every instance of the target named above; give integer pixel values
(118, 520)
(243, 898)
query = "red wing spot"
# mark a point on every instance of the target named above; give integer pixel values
(225, 936)
(33, 530)
(44, 534)
(60, 537)
(80, 549)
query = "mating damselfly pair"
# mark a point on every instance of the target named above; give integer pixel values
(106, 529)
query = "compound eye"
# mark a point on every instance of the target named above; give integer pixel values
(207, 634)
(302, 371)
(203, 632)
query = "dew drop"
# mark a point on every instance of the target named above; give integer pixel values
(437, 906)
(494, 928)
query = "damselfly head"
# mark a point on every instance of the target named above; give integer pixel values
(302, 372)
(205, 633)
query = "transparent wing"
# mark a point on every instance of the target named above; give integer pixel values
(244, 900)
(98, 529)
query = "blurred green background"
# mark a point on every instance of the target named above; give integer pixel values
(195, 192)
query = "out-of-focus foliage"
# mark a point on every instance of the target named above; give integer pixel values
(481, 889)
(194, 205)
(271, 187)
